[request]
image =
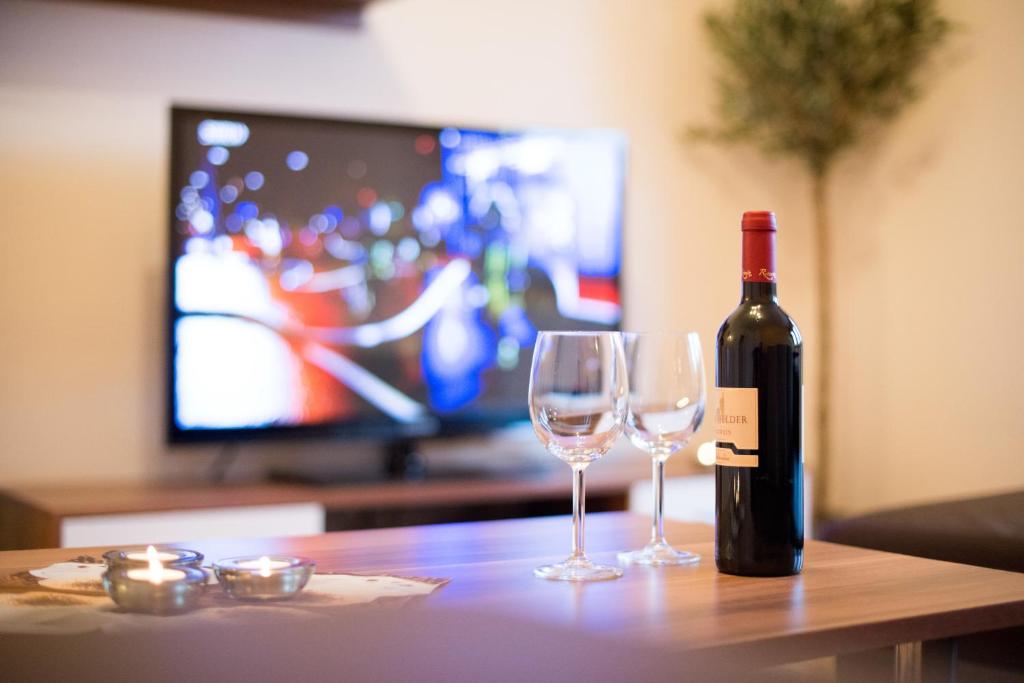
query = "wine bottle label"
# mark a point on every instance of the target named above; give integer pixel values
(736, 427)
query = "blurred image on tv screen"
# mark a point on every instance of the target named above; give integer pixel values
(329, 272)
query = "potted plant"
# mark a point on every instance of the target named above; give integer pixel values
(808, 80)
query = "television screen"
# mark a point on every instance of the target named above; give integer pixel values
(368, 279)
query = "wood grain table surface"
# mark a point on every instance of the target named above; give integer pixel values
(847, 599)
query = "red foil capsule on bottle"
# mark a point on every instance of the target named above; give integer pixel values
(758, 246)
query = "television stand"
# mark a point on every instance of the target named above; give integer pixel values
(402, 461)
(33, 516)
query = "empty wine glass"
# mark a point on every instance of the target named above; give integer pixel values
(577, 406)
(666, 406)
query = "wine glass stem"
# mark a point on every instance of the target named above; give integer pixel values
(658, 522)
(579, 493)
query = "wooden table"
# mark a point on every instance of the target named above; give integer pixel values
(653, 623)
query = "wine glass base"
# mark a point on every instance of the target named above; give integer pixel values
(658, 554)
(577, 569)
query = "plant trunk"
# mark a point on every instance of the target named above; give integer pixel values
(824, 345)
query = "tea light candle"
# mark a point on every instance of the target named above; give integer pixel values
(263, 578)
(156, 575)
(174, 557)
(150, 553)
(264, 564)
(155, 589)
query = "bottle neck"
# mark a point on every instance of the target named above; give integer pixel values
(758, 271)
(759, 291)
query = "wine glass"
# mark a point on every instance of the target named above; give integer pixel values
(577, 405)
(666, 406)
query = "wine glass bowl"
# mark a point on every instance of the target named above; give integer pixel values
(577, 430)
(661, 430)
(667, 398)
(578, 406)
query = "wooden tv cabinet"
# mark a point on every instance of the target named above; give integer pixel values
(33, 516)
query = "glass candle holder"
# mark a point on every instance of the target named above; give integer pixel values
(259, 578)
(166, 590)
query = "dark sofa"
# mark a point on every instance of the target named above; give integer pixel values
(988, 532)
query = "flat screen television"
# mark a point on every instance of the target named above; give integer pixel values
(365, 279)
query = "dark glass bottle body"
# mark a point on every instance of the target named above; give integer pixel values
(759, 527)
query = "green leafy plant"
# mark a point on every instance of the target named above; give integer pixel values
(808, 79)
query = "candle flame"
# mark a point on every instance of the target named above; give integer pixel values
(264, 566)
(156, 568)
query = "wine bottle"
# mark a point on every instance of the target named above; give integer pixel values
(759, 521)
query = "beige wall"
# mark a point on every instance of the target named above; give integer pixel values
(929, 237)
(929, 247)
